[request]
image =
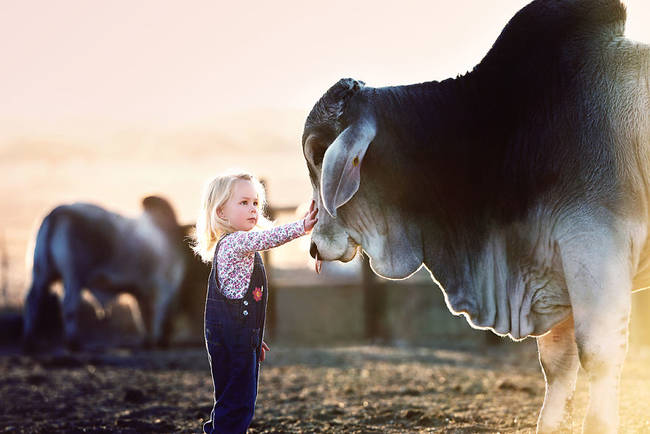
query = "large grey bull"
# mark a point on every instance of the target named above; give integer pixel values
(86, 246)
(522, 186)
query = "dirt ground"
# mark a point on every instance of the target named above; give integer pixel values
(352, 389)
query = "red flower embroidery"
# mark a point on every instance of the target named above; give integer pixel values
(257, 294)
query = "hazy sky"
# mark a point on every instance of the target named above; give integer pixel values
(178, 63)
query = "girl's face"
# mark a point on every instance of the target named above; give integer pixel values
(242, 207)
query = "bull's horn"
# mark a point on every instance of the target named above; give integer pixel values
(340, 176)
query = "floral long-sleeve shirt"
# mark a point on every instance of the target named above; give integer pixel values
(236, 255)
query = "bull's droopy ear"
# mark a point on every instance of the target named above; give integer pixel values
(341, 172)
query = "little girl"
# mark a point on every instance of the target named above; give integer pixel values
(235, 305)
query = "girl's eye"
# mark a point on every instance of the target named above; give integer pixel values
(255, 204)
(243, 202)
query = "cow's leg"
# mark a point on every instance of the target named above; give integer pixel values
(71, 302)
(146, 306)
(599, 284)
(163, 308)
(558, 355)
(33, 310)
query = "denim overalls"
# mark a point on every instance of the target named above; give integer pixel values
(233, 333)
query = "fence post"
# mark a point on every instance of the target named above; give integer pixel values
(374, 305)
(271, 319)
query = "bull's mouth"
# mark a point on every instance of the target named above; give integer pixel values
(348, 254)
(351, 251)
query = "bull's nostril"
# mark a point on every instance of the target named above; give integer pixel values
(313, 250)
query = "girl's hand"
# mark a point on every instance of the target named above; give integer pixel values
(310, 217)
(265, 348)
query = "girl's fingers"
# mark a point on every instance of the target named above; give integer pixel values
(265, 348)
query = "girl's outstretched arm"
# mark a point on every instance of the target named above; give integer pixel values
(274, 237)
(268, 238)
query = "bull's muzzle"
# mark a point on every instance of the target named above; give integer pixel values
(313, 250)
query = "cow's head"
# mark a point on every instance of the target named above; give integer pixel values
(353, 212)
(162, 213)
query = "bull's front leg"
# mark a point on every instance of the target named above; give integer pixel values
(599, 285)
(558, 356)
(601, 335)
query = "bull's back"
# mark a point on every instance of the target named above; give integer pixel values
(76, 239)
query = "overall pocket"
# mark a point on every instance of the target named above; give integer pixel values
(214, 333)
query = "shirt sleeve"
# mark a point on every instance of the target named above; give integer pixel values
(253, 241)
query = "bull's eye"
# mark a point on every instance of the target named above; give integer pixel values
(317, 150)
(355, 162)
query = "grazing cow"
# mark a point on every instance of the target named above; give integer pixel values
(89, 247)
(522, 186)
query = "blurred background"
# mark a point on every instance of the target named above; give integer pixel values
(108, 102)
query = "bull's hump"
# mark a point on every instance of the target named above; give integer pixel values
(552, 23)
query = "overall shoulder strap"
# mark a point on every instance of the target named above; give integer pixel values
(214, 261)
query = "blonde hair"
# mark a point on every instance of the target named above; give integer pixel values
(209, 226)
